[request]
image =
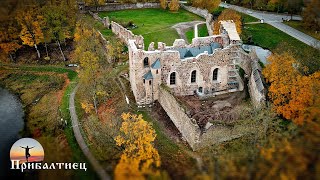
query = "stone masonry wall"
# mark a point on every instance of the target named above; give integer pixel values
(191, 131)
(203, 13)
(188, 127)
(118, 7)
(126, 35)
(204, 64)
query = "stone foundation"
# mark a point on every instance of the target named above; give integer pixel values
(190, 130)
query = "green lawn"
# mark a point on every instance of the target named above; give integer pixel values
(299, 26)
(266, 36)
(202, 32)
(153, 24)
(247, 18)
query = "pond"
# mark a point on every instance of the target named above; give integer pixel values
(11, 123)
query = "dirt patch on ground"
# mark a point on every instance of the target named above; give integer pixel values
(220, 109)
(181, 28)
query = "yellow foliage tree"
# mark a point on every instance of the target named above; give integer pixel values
(163, 4)
(174, 5)
(228, 14)
(88, 107)
(31, 33)
(294, 95)
(284, 161)
(139, 159)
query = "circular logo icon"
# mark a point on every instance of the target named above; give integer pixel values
(27, 150)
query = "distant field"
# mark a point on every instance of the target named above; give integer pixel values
(153, 24)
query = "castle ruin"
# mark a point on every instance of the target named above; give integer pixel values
(207, 67)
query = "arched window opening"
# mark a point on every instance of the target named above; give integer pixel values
(215, 74)
(150, 82)
(200, 89)
(146, 62)
(173, 78)
(193, 76)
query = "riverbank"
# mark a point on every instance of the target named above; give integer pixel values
(43, 91)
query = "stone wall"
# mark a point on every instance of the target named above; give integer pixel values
(118, 7)
(204, 65)
(187, 127)
(256, 86)
(105, 21)
(191, 131)
(125, 35)
(203, 13)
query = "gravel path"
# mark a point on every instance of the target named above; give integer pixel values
(76, 130)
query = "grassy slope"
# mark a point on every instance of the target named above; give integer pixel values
(27, 84)
(153, 24)
(173, 158)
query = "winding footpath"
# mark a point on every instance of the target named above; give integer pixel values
(76, 130)
(276, 20)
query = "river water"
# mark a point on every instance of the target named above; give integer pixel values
(11, 123)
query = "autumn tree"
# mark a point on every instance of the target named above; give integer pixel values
(174, 5)
(31, 33)
(260, 4)
(59, 21)
(293, 95)
(9, 37)
(204, 4)
(311, 16)
(273, 5)
(139, 159)
(90, 53)
(212, 5)
(163, 4)
(228, 14)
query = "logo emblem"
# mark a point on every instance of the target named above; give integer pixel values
(27, 150)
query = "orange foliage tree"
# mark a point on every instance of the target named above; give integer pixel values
(228, 14)
(31, 33)
(294, 95)
(139, 159)
(9, 38)
(174, 5)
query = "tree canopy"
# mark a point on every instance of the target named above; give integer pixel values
(139, 159)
